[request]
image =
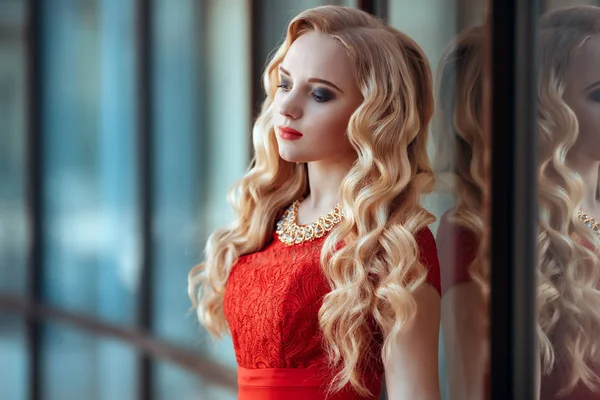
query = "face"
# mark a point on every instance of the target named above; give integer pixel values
(315, 99)
(583, 96)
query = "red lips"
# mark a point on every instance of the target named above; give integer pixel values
(289, 133)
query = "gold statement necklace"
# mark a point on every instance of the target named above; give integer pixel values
(590, 222)
(290, 232)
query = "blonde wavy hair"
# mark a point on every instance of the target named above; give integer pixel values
(458, 137)
(568, 270)
(374, 274)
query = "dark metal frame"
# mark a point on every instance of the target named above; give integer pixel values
(513, 25)
(145, 136)
(34, 160)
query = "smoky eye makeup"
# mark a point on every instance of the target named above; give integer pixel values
(595, 95)
(284, 83)
(323, 95)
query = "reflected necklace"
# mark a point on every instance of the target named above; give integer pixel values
(590, 222)
(290, 232)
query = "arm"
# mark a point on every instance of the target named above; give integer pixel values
(411, 372)
(464, 313)
(465, 341)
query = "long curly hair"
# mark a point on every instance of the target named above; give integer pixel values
(373, 276)
(459, 137)
(568, 266)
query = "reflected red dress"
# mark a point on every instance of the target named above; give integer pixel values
(457, 249)
(552, 384)
(272, 300)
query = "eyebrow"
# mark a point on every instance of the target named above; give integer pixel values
(591, 86)
(318, 80)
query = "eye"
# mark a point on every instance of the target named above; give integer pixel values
(595, 95)
(284, 85)
(322, 95)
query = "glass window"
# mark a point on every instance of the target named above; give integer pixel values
(91, 237)
(14, 367)
(452, 36)
(13, 171)
(568, 109)
(104, 368)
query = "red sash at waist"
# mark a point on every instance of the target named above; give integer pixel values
(290, 384)
(281, 377)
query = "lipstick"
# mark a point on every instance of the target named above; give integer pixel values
(287, 133)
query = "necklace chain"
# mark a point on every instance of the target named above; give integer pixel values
(590, 222)
(290, 232)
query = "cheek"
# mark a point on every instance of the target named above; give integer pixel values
(331, 124)
(275, 107)
(588, 117)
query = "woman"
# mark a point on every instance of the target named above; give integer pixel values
(328, 277)
(459, 148)
(569, 156)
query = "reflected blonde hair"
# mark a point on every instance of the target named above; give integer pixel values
(458, 137)
(374, 274)
(568, 271)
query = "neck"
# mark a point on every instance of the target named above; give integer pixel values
(588, 170)
(325, 180)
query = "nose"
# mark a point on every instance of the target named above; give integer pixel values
(290, 108)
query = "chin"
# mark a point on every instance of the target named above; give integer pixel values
(293, 156)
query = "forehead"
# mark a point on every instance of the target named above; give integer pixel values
(318, 55)
(585, 68)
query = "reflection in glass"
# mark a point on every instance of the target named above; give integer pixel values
(458, 162)
(569, 203)
(456, 144)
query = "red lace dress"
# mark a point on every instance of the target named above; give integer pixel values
(272, 299)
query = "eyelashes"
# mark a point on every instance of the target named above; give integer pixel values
(320, 95)
(284, 85)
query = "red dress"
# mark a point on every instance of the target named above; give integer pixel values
(272, 299)
(457, 249)
(552, 384)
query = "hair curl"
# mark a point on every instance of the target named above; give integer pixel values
(459, 141)
(374, 274)
(568, 266)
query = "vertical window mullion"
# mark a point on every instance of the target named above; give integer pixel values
(513, 197)
(34, 186)
(145, 173)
